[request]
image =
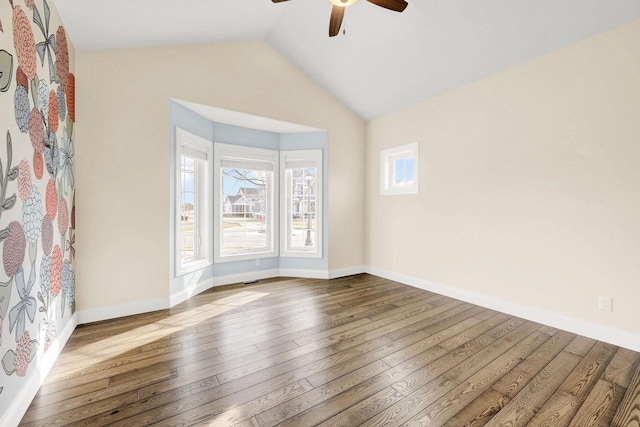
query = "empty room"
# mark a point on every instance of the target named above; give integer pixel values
(320, 213)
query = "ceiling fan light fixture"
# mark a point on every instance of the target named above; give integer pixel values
(342, 3)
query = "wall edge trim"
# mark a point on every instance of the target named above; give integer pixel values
(20, 403)
(596, 331)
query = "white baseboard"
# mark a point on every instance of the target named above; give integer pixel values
(205, 285)
(303, 274)
(592, 330)
(183, 295)
(230, 279)
(21, 401)
(349, 271)
(588, 329)
(113, 312)
(245, 277)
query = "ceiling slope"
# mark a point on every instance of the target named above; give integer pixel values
(385, 61)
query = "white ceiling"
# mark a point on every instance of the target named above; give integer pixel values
(386, 61)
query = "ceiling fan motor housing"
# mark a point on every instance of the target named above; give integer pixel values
(343, 3)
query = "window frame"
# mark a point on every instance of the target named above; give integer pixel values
(229, 152)
(202, 200)
(314, 156)
(387, 169)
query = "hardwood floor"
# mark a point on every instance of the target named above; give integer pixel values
(359, 350)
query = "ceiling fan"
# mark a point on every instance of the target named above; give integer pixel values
(337, 13)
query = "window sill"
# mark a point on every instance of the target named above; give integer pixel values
(399, 190)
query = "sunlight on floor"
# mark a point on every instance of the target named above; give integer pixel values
(115, 345)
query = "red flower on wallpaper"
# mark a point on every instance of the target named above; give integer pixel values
(56, 271)
(22, 79)
(52, 199)
(24, 180)
(24, 42)
(29, 3)
(23, 355)
(62, 57)
(36, 130)
(14, 247)
(53, 111)
(71, 97)
(63, 217)
(47, 234)
(38, 164)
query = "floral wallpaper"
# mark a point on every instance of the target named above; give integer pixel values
(37, 201)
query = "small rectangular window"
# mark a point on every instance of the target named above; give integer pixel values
(399, 170)
(301, 198)
(193, 201)
(245, 200)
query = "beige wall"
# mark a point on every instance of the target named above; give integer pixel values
(123, 165)
(529, 187)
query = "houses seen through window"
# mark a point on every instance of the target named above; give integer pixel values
(244, 198)
(302, 206)
(301, 193)
(245, 211)
(188, 217)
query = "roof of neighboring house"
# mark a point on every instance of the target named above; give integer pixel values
(249, 190)
(234, 200)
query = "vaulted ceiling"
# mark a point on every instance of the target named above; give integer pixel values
(385, 61)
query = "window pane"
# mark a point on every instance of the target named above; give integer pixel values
(302, 209)
(399, 167)
(399, 170)
(187, 212)
(409, 170)
(403, 171)
(244, 218)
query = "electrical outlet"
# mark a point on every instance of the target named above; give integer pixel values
(257, 263)
(605, 303)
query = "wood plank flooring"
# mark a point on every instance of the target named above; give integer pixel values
(360, 350)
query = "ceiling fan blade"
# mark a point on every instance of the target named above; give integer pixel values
(278, 1)
(337, 13)
(395, 5)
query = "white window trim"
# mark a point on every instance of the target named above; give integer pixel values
(185, 139)
(300, 155)
(387, 160)
(226, 151)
